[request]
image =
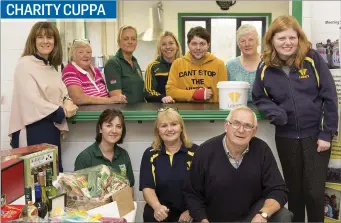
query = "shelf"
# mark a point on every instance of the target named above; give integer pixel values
(148, 111)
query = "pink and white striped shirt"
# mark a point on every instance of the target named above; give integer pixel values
(74, 75)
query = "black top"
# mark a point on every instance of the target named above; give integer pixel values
(156, 79)
(165, 173)
(221, 193)
(301, 104)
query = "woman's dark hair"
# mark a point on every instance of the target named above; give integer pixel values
(107, 116)
(48, 29)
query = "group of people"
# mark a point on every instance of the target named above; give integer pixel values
(164, 81)
(184, 182)
(181, 181)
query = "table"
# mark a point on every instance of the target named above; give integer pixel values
(108, 210)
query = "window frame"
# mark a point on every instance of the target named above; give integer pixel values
(265, 18)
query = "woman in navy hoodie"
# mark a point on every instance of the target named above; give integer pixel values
(295, 90)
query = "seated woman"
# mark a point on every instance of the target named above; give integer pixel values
(164, 168)
(168, 49)
(122, 72)
(110, 131)
(243, 68)
(84, 82)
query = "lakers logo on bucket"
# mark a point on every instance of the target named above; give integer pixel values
(232, 94)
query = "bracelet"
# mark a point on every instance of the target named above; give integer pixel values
(66, 97)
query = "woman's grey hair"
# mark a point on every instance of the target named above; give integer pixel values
(242, 107)
(76, 45)
(244, 29)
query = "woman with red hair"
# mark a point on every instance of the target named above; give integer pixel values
(296, 91)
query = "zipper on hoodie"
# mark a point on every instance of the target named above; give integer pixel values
(293, 101)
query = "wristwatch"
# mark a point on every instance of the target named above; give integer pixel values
(66, 97)
(263, 214)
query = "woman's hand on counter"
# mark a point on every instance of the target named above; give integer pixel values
(70, 108)
(167, 99)
(118, 99)
(208, 94)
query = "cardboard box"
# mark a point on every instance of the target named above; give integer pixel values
(19, 152)
(43, 159)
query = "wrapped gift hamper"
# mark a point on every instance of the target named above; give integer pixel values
(91, 187)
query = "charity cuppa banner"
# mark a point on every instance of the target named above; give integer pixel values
(62, 9)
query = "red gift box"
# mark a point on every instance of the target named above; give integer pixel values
(10, 212)
(12, 180)
(12, 170)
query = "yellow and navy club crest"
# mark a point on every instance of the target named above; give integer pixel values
(188, 165)
(303, 73)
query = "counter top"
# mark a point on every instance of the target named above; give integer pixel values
(148, 111)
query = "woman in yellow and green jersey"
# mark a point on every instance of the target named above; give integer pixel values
(168, 49)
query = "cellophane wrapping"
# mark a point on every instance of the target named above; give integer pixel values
(91, 187)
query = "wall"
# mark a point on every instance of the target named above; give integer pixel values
(13, 39)
(314, 17)
(172, 8)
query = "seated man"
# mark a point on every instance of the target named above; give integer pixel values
(234, 176)
(194, 77)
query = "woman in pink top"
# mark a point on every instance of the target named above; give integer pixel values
(84, 82)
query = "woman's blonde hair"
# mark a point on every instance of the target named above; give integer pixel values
(244, 29)
(76, 45)
(169, 115)
(119, 36)
(47, 29)
(280, 24)
(158, 47)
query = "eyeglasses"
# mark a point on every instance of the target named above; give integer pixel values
(167, 108)
(81, 40)
(236, 125)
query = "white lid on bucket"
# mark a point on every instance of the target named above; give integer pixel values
(233, 84)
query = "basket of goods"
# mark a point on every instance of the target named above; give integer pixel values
(91, 187)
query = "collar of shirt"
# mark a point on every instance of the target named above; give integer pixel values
(82, 70)
(119, 54)
(182, 149)
(228, 152)
(98, 153)
(46, 62)
(162, 60)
